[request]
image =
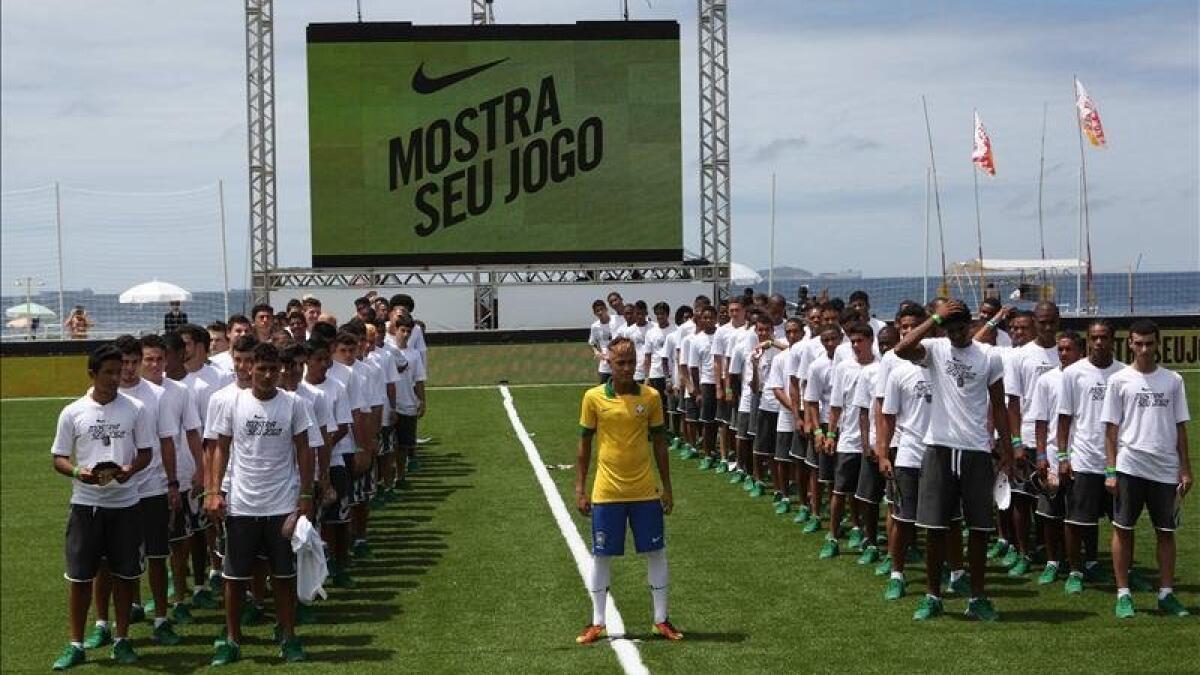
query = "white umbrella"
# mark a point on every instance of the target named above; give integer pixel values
(742, 275)
(30, 310)
(22, 322)
(154, 291)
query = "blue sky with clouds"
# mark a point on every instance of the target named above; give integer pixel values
(137, 96)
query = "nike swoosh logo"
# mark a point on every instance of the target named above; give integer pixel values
(423, 84)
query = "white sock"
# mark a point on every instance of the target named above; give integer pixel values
(119, 639)
(1122, 592)
(1076, 574)
(898, 575)
(1002, 541)
(159, 620)
(101, 624)
(657, 576)
(598, 586)
(955, 575)
(197, 589)
(77, 645)
(1165, 591)
(1091, 563)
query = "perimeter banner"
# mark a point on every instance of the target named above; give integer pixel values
(446, 145)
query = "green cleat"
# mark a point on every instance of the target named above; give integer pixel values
(828, 550)
(960, 586)
(378, 501)
(706, 463)
(914, 555)
(360, 549)
(148, 609)
(884, 567)
(855, 541)
(1137, 582)
(928, 608)
(252, 614)
(737, 477)
(894, 590)
(802, 515)
(180, 614)
(981, 609)
(305, 614)
(757, 490)
(97, 637)
(749, 483)
(1049, 574)
(870, 555)
(221, 638)
(292, 651)
(690, 452)
(813, 525)
(776, 496)
(1021, 568)
(674, 445)
(1011, 557)
(204, 599)
(122, 652)
(165, 635)
(1074, 585)
(1124, 608)
(1171, 606)
(1095, 573)
(227, 653)
(998, 549)
(215, 584)
(722, 466)
(137, 613)
(783, 507)
(413, 465)
(70, 657)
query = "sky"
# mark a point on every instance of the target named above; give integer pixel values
(146, 97)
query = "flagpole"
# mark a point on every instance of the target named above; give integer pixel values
(925, 277)
(771, 267)
(944, 288)
(978, 221)
(1041, 189)
(1085, 226)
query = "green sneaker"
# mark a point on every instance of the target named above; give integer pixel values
(674, 445)
(216, 585)
(722, 466)
(914, 555)
(895, 589)
(783, 507)
(1171, 606)
(305, 614)
(360, 549)
(1124, 608)
(204, 599)
(1049, 574)
(855, 541)
(391, 495)
(378, 502)
(928, 608)
(690, 452)
(884, 567)
(1137, 582)
(981, 609)
(870, 556)
(749, 482)
(70, 657)
(706, 463)
(802, 515)
(292, 651)
(122, 652)
(1096, 574)
(1021, 568)
(413, 465)
(737, 477)
(960, 586)
(97, 637)
(1011, 557)
(137, 613)
(998, 549)
(252, 614)
(341, 579)
(828, 550)
(757, 491)
(1074, 585)
(180, 614)
(164, 634)
(813, 525)
(221, 638)
(148, 610)
(226, 653)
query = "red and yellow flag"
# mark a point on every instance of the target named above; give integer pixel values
(981, 155)
(1089, 116)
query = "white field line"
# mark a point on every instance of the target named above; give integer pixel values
(627, 651)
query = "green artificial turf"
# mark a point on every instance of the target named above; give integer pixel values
(470, 574)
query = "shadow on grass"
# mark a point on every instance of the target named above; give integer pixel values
(1051, 615)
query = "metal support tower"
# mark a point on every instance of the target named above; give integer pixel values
(715, 227)
(481, 12)
(260, 121)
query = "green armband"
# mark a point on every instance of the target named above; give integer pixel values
(818, 432)
(936, 318)
(306, 495)
(1017, 441)
(1062, 456)
(75, 472)
(830, 434)
(1110, 472)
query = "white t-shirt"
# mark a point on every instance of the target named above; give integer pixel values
(887, 363)
(736, 346)
(1044, 408)
(637, 335)
(777, 378)
(371, 380)
(94, 433)
(907, 395)
(864, 396)
(766, 364)
(222, 361)
(355, 395)
(339, 403)
(685, 352)
(846, 374)
(701, 357)
(599, 336)
(1028, 363)
(218, 406)
(819, 386)
(809, 353)
(671, 351)
(741, 360)
(384, 358)
(656, 338)
(320, 410)
(877, 325)
(959, 380)
(189, 420)
(407, 402)
(262, 457)
(1147, 407)
(1082, 397)
(152, 480)
(720, 342)
(214, 376)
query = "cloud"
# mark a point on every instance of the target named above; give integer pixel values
(778, 148)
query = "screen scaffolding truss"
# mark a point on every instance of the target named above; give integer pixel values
(715, 222)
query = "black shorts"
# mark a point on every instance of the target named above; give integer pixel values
(1052, 508)
(179, 523)
(905, 495)
(1087, 500)
(672, 404)
(952, 480)
(339, 511)
(1024, 489)
(812, 455)
(799, 449)
(659, 384)
(735, 383)
(783, 446)
(845, 478)
(764, 439)
(197, 516)
(722, 414)
(744, 432)
(96, 534)
(155, 515)
(691, 411)
(708, 403)
(249, 537)
(363, 488)
(1135, 493)
(405, 431)
(870, 482)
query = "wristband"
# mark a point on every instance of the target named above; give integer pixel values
(818, 432)
(306, 495)
(1110, 472)
(75, 472)
(1062, 456)
(993, 324)
(936, 318)
(202, 495)
(1017, 442)
(831, 434)
(172, 484)
(1041, 457)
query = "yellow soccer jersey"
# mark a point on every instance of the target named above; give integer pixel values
(622, 427)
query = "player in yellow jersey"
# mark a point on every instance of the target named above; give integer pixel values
(620, 418)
